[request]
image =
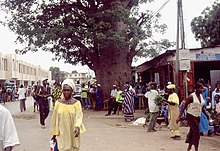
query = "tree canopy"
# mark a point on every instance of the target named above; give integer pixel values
(207, 26)
(57, 75)
(77, 30)
(104, 34)
(55, 71)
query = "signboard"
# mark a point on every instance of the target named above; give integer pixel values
(185, 65)
(184, 54)
(207, 57)
(184, 59)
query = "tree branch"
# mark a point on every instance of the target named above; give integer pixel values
(92, 4)
(79, 5)
(132, 3)
(133, 51)
(142, 19)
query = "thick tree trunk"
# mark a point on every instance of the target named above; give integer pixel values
(113, 68)
(113, 64)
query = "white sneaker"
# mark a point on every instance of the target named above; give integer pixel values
(43, 126)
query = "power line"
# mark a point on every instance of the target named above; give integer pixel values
(161, 8)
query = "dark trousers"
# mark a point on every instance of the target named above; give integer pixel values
(92, 100)
(113, 106)
(193, 136)
(153, 120)
(22, 105)
(44, 111)
(84, 102)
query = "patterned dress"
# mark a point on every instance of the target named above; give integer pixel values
(128, 105)
(56, 93)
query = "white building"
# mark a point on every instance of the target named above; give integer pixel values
(76, 76)
(20, 72)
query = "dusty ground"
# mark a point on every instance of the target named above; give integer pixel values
(106, 134)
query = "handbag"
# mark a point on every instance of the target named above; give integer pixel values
(53, 146)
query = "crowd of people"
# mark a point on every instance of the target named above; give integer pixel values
(199, 109)
(9, 93)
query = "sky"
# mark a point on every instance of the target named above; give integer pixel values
(191, 9)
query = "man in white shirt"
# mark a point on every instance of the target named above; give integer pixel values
(112, 101)
(78, 91)
(215, 92)
(8, 133)
(153, 108)
(22, 97)
(217, 114)
(78, 88)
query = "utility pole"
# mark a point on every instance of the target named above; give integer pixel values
(177, 46)
(180, 36)
(182, 33)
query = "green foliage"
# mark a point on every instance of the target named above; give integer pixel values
(158, 100)
(153, 48)
(207, 26)
(55, 72)
(79, 31)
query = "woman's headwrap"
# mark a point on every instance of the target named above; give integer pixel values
(171, 86)
(70, 83)
(127, 85)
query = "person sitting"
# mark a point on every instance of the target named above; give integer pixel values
(209, 104)
(217, 115)
(214, 93)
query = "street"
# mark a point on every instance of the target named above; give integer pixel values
(103, 133)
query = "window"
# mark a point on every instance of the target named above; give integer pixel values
(23, 66)
(19, 68)
(14, 65)
(5, 64)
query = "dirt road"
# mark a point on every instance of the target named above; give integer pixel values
(103, 133)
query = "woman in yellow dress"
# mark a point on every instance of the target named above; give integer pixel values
(173, 111)
(66, 123)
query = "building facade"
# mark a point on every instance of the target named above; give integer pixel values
(76, 76)
(193, 64)
(19, 72)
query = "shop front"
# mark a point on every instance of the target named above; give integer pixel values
(203, 62)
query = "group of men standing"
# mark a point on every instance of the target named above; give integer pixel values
(115, 100)
(91, 96)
